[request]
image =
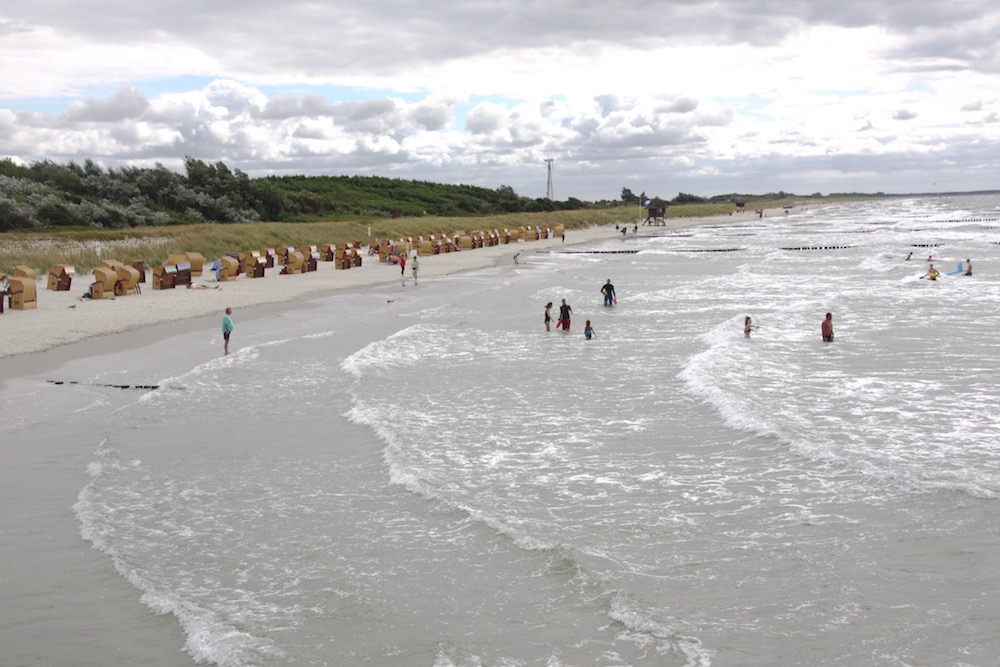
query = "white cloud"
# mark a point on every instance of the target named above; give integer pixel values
(744, 95)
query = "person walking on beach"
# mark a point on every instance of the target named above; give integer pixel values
(402, 267)
(415, 267)
(4, 288)
(588, 331)
(609, 293)
(227, 327)
(826, 329)
(564, 313)
(548, 316)
(749, 326)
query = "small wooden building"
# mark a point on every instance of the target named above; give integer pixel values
(656, 212)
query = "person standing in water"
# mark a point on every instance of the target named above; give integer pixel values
(826, 329)
(548, 316)
(227, 328)
(415, 267)
(564, 313)
(968, 267)
(588, 331)
(748, 326)
(609, 293)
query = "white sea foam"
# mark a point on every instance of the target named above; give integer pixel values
(717, 498)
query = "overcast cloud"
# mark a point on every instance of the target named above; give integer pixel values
(661, 97)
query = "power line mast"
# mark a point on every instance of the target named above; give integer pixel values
(549, 192)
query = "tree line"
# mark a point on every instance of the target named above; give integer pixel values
(46, 194)
(628, 197)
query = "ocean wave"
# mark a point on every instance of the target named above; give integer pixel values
(99, 508)
(644, 628)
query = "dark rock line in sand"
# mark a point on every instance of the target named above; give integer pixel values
(144, 387)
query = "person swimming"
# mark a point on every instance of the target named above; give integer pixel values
(932, 273)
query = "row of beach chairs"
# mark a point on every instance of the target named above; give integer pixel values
(114, 278)
(435, 244)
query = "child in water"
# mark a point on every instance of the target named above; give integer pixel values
(588, 330)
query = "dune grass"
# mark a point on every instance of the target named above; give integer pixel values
(77, 247)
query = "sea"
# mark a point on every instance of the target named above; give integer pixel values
(425, 476)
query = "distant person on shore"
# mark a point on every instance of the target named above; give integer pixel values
(548, 316)
(588, 331)
(402, 269)
(227, 327)
(748, 326)
(415, 267)
(968, 267)
(624, 229)
(564, 313)
(4, 288)
(826, 329)
(609, 293)
(517, 258)
(932, 273)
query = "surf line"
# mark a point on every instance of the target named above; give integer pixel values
(144, 387)
(592, 252)
(820, 247)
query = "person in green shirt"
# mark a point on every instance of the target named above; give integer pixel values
(227, 327)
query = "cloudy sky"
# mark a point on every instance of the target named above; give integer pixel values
(666, 96)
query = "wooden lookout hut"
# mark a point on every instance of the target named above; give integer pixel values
(656, 212)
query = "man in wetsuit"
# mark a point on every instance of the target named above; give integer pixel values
(609, 293)
(564, 312)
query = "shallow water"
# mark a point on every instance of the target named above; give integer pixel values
(438, 481)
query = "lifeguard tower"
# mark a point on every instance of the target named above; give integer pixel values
(656, 213)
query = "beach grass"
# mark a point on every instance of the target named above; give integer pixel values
(77, 247)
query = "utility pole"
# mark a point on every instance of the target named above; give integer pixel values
(549, 192)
